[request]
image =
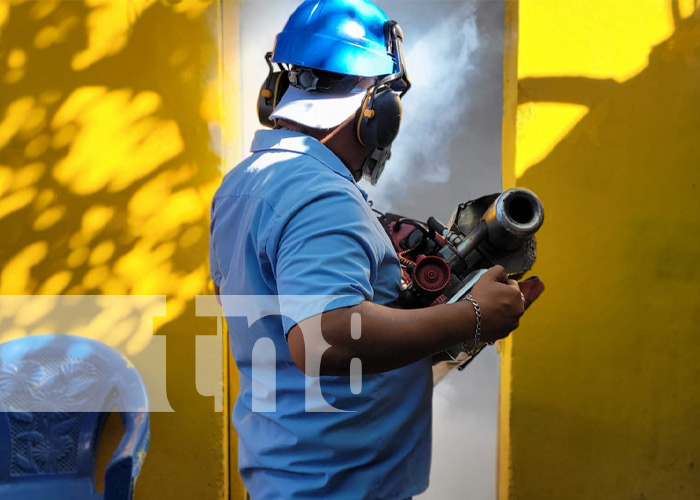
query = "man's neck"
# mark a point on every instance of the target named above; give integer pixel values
(340, 140)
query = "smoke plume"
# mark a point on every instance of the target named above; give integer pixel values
(440, 65)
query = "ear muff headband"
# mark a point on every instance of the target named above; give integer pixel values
(380, 116)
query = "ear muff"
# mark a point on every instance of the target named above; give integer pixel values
(380, 118)
(272, 90)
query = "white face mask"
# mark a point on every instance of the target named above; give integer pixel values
(374, 164)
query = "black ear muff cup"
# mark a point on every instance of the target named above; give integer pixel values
(380, 119)
(272, 90)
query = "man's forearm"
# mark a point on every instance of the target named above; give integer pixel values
(389, 338)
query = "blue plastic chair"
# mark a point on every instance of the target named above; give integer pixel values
(56, 392)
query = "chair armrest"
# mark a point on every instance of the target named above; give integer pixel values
(126, 462)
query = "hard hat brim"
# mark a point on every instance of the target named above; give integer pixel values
(319, 51)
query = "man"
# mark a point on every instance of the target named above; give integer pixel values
(290, 221)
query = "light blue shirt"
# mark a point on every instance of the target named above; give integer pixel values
(290, 220)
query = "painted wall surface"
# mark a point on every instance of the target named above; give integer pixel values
(448, 151)
(110, 143)
(604, 374)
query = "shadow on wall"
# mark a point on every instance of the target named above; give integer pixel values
(107, 168)
(606, 383)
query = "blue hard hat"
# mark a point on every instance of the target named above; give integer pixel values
(341, 36)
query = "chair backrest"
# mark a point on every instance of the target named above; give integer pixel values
(56, 392)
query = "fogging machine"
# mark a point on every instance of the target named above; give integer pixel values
(441, 263)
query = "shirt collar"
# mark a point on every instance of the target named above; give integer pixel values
(296, 142)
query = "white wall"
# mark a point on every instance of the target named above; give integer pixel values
(448, 151)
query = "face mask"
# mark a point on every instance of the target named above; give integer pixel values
(374, 164)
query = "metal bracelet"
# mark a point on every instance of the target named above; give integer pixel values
(477, 330)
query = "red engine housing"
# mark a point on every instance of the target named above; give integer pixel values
(431, 274)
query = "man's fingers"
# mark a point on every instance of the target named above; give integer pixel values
(498, 273)
(513, 283)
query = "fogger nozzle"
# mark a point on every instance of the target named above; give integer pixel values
(516, 215)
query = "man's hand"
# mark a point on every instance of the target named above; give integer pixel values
(501, 304)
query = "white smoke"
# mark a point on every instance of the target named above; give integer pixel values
(440, 65)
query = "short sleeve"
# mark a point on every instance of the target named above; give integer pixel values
(326, 248)
(214, 268)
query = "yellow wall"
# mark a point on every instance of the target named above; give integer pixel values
(110, 141)
(601, 381)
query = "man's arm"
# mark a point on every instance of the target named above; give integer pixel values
(391, 338)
